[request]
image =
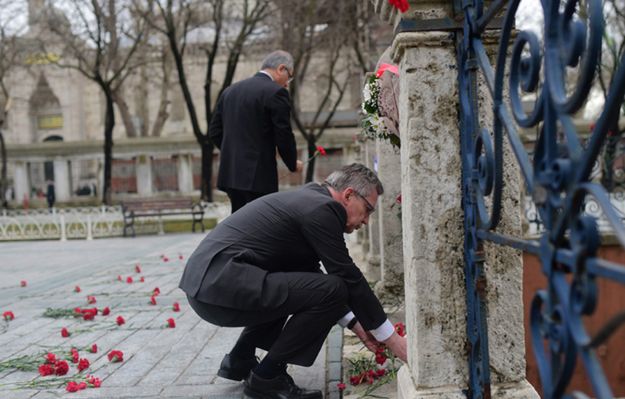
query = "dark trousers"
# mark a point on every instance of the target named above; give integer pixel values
(315, 302)
(239, 198)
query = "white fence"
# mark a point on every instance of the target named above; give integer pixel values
(78, 223)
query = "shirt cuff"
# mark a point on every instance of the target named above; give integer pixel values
(344, 321)
(383, 332)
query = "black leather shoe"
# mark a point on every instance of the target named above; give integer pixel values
(281, 387)
(236, 369)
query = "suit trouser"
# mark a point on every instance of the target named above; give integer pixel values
(238, 198)
(315, 302)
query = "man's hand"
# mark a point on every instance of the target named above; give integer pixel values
(299, 166)
(366, 337)
(397, 344)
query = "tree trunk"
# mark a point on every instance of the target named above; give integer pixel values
(207, 169)
(109, 124)
(312, 148)
(162, 115)
(124, 111)
(3, 174)
(607, 175)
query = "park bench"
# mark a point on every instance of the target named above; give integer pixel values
(159, 207)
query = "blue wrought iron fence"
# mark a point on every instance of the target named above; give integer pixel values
(557, 179)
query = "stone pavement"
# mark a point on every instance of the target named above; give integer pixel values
(159, 362)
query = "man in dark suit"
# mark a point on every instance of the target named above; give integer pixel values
(261, 265)
(251, 120)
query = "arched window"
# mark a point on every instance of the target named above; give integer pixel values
(45, 109)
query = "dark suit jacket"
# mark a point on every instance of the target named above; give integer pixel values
(251, 119)
(281, 232)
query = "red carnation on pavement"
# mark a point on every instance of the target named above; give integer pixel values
(138, 268)
(341, 386)
(116, 356)
(77, 288)
(180, 257)
(120, 320)
(152, 300)
(398, 199)
(156, 291)
(106, 311)
(23, 283)
(119, 277)
(354, 379)
(129, 280)
(46, 369)
(165, 259)
(89, 314)
(50, 358)
(142, 279)
(61, 367)
(91, 299)
(93, 349)
(176, 307)
(83, 364)
(8, 315)
(64, 332)
(72, 386)
(321, 150)
(171, 323)
(94, 381)
(74, 355)
(380, 372)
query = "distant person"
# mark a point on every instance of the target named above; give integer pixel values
(50, 195)
(253, 118)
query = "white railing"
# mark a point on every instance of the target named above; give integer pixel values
(77, 223)
(535, 225)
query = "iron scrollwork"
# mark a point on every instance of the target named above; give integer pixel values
(557, 178)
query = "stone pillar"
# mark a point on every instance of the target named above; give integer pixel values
(144, 175)
(185, 174)
(21, 182)
(432, 224)
(372, 266)
(62, 180)
(389, 222)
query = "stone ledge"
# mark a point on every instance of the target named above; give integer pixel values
(406, 388)
(419, 39)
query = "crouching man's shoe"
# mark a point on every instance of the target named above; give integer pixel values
(281, 387)
(236, 369)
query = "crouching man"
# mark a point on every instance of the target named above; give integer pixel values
(261, 265)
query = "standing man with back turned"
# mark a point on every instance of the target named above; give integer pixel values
(251, 119)
(259, 269)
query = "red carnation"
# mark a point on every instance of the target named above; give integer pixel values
(119, 277)
(120, 320)
(180, 257)
(93, 349)
(83, 364)
(46, 369)
(156, 291)
(72, 386)
(398, 199)
(171, 323)
(106, 311)
(321, 150)
(74, 356)
(94, 381)
(61, 367)
(23, 283)
(165, 259)
(64, 332)
(153, 300)
(8, 315)
(50, 358)
(355, 379)
(91, 299)
(129, 280)
(380, 358)
(176, 307)
(138, 268)
(401, 5)
(77, 288)
(400, 328)
(380, 372)
(116, 356)
(341, 386)
(88, 314)
(142, 279)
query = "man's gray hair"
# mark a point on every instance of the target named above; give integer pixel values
(356, 176)
(273, 60)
